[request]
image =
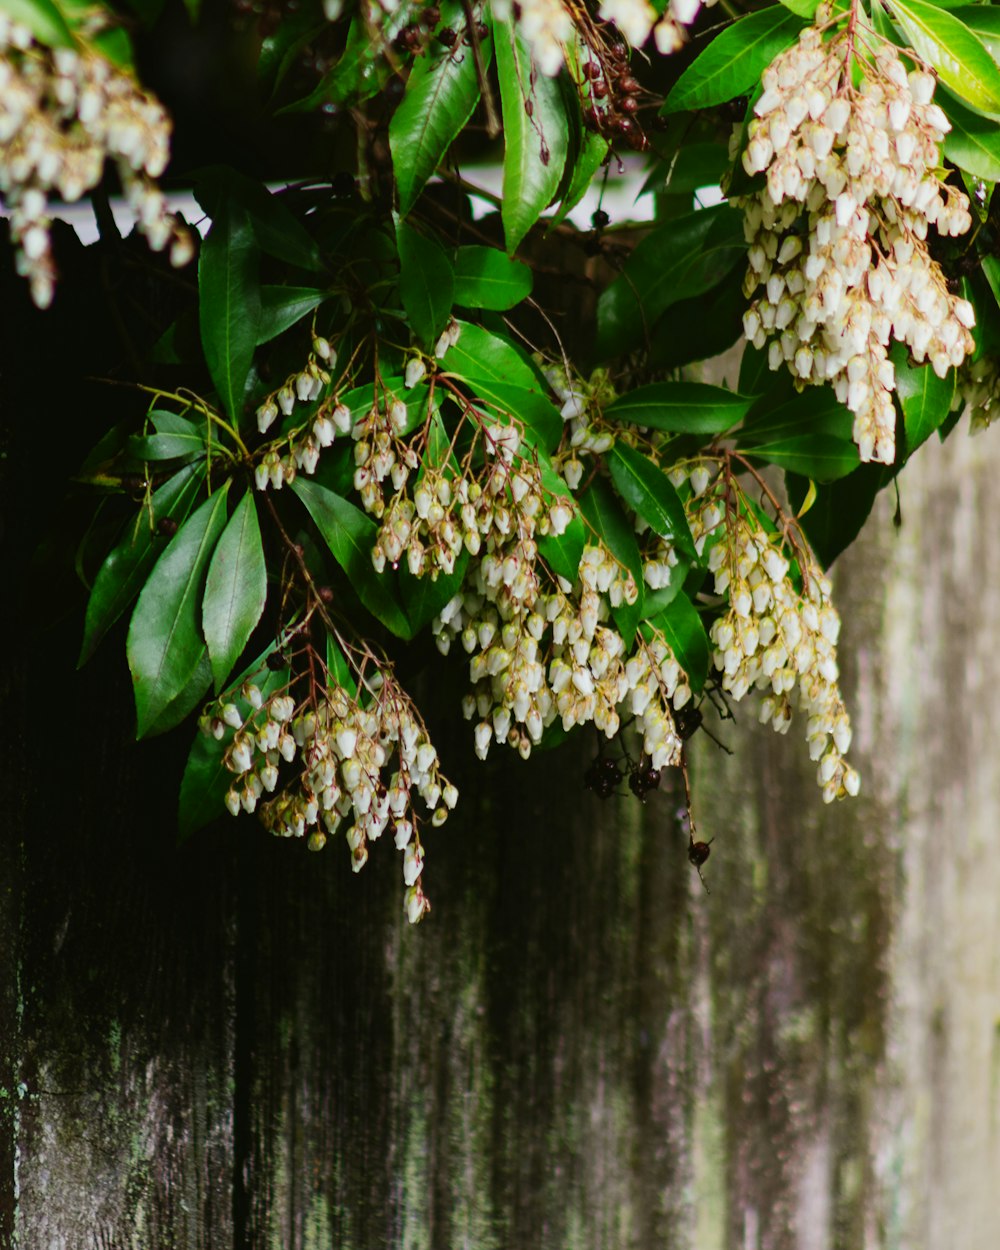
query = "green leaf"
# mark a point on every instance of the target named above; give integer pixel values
(984, 22)
(441, 93)
(733, 62)
(337, 667)
(487, 278)
(803, 8)
(277, 230)
(190, 697)
(426, 282)
(206, 779)
(350, 535)
(235, 590)
(701, 327)
(684, 257)
(682, 627)
(563, 552)
(424, 597)
(164, 644)
(175, 438)
(924, 397)
(123, 573)
(229, 303)
(480, 355)
(823, 457)
(283, 306)
(601, 508)
(649, 492)
(681, 408)
(594, 149)
(362, 71)
(839, 510)
(44, 19)
(813, 411)
(973, 143)
(535, 147)
(962, 62)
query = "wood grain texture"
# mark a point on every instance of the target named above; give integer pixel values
(236, 1044)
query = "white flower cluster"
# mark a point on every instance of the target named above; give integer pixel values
(549, 26)
(345, 748)
(776, 638)
(838, 234)
(540, 656)
(63, 112)
(277, 466)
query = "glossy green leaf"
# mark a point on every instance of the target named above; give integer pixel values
(206, 779)
(235, 590)
(426, 282)
(682, 627)
(485, 277)
(701, 327)
(175, 438)
(594, 149)
(682, 258)
(339, 672)
(277, 230)
(43, 18)
(681, 408)
(535, 146)
(602, 510)
(733, 62)
(478, 354)
(350, 535)
(984, 22)
(815, 410)
(283, 306)
(650, 493)
(190, 697)
(165, 644)
(229, 303)
(441, 93)
(562, 552)
(839, 509)
(803, 8)
(973, 143)
(924, 397)
(362, 70)
(959, 57)
(424, 597)
(123, 573)
(823, 457)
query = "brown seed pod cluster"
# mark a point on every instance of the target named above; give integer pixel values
(611, 96)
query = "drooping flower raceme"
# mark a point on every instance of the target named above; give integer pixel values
(776, 637)
(838, 235)
(361, 760)
(63, 112)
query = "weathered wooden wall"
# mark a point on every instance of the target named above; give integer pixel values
(237, 1044)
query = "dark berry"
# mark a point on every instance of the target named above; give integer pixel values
(628, 104)
(448, 37)
(698, 852)
(627, 85)
(325, 594)
(599, 218)
(431, 16)
(276, 662)
(166, 527)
